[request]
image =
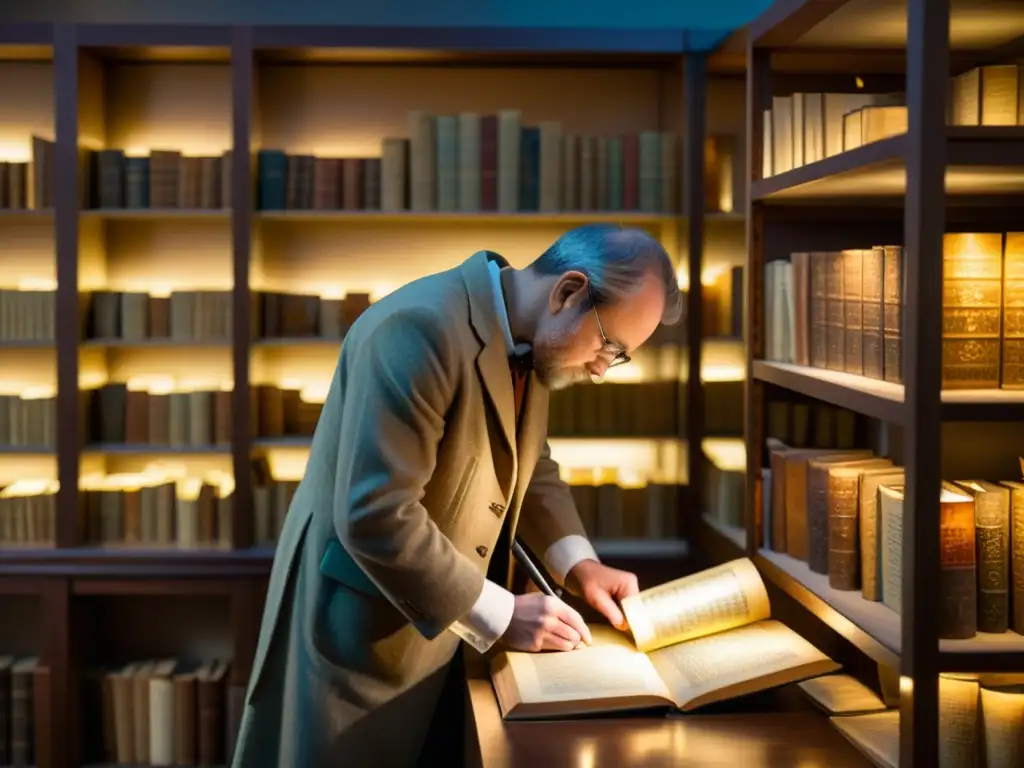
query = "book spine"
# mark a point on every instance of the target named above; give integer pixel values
(843, 557)
(958, 601)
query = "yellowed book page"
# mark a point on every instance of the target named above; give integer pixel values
(724, 597)
(876, 735)
(606, 676)
(737, 662)
(1002, 717)
(842, 695)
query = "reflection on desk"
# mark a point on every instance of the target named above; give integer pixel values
(789, 739)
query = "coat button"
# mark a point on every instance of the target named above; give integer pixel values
(481, 550)
(497, 508)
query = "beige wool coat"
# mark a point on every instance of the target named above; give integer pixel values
(414, 465)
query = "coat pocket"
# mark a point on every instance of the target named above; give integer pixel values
(459, 499)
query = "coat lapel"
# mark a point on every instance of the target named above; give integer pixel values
(492, 360)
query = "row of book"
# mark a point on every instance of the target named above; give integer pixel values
(844, 311)
(123, 414)
(804, 128)
(28, 185)
(795, 424)
(981, 722)
(151, 510)
(165, 712)
(180, 316)
(28, 315)
(642, 409)
(612, 504)
(29, 419)
(470, 163)
(276, 314)
(841, 512)
(28, 513)
(206, 315)
(165, 178)
(24, 709)
(119, 415)
(807, 127)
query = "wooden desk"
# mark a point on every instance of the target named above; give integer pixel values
(800, 738)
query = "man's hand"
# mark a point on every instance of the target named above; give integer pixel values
(543, 623)
(602, 587)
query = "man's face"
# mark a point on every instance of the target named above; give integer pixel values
(570, 347)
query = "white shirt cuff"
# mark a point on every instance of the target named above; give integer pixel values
(488, 619)
(564, 554)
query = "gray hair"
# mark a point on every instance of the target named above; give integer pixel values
(614, 259)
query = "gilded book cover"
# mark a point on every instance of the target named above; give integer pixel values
(892, 314)
(819, 310)
(853, 312)
(972, 310)
(992, 530)
(871, 313)
(835, 330)
(1013, 312)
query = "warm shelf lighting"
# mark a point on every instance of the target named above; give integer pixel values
(37, 284)
(16, 150)
(707, 277)
(729, 454)
(29, 487)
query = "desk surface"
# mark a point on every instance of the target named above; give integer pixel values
(788, 739)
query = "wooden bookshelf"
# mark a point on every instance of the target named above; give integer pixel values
(204, 91)
(907, 189)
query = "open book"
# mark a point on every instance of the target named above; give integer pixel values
(696, 640)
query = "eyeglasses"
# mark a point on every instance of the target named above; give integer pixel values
(620, 357)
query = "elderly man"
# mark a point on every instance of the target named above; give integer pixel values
(430, 456)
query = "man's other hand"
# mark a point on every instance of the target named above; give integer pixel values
(543, 623)
(603, 588)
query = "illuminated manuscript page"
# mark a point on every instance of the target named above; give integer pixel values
(724, 597)
(737, 662)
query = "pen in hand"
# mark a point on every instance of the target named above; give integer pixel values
(535, 575)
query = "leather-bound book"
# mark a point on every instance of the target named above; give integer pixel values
(210, 696)
(185, 718)
(819, 504)
(1017, 554)
(355, 305)
(1013, 312)
(223, 413)
(796, 496)
(136, 417)
(835, 312)
(853, 311)
(327, 183)
(609, 505)
(893, 300)
(958, 573)
(992, 532)
(271, 411)
(971, 310)
(872, 334)
(300, 315)
(581, 484)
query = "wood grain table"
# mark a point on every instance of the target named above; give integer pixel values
(771, 730)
